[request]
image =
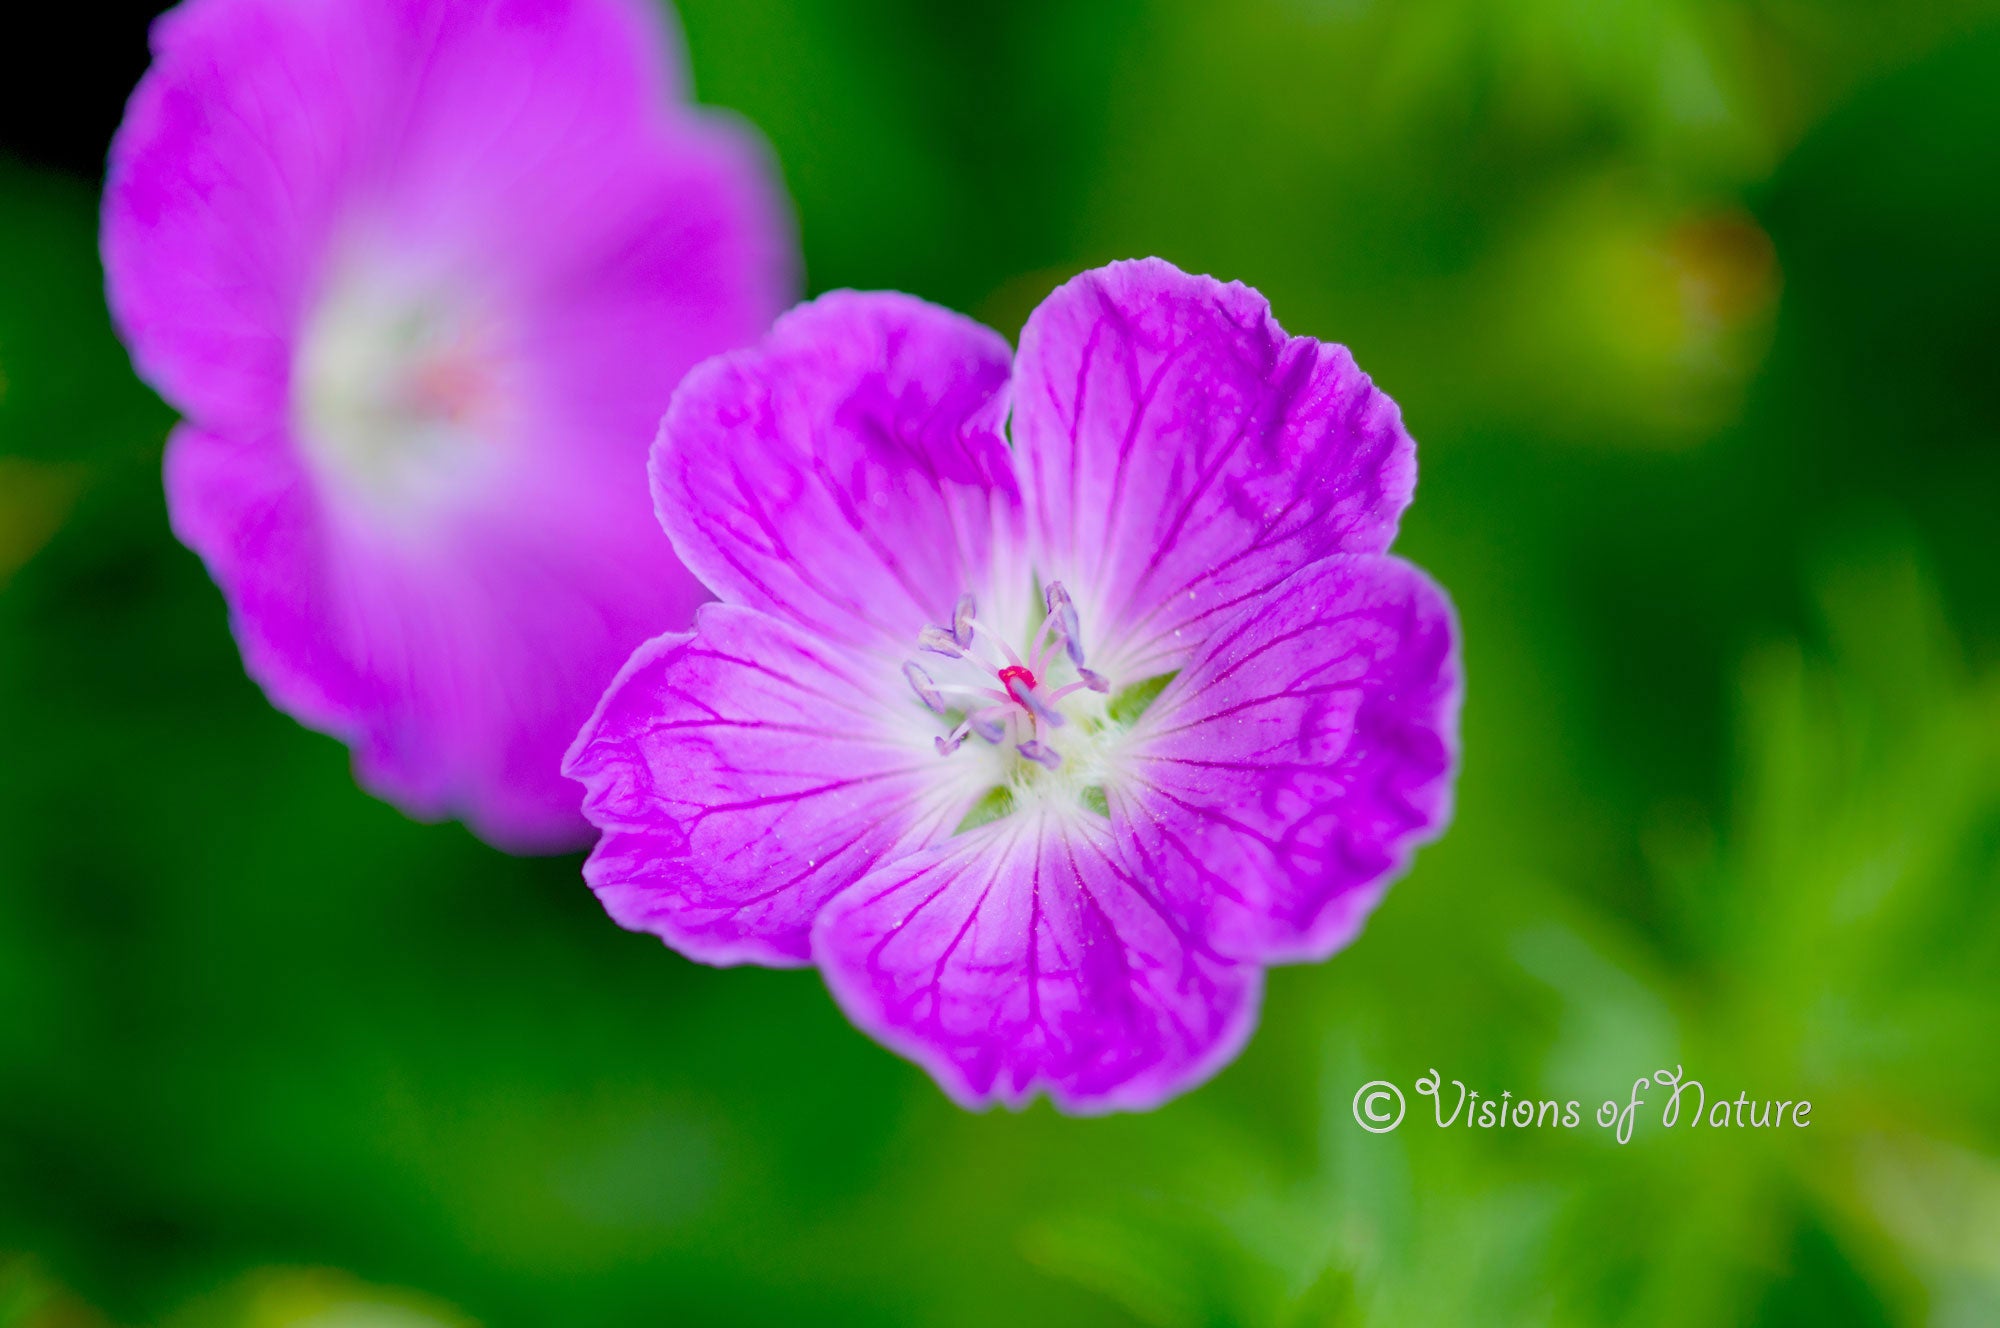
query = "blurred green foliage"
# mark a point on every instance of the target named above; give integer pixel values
(1692, 306)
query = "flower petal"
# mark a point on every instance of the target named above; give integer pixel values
(1183, 454)
(742, 775)
(1301, 758)
(248, 509)
(1021, 957)
(517, 168)
(265, 129)
(211, 214)
(516, 121)
(846, 474)
(690, 251)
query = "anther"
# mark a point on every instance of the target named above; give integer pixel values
(921, 684)
(1035, 751)
(1038, 707)
(1096, 682)
(1063, 613)
(961, 619)
(940, 642)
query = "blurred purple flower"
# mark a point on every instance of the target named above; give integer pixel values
(1038, 753)
(422, 275)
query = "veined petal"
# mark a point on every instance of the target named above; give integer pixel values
(1022, 957)
(742, 775)
(1183, 454)
(1299, 760)
(847, 474)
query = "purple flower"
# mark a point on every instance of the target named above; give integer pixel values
(421, 275)
(1040, 753)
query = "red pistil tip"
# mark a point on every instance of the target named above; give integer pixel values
(1018, 682)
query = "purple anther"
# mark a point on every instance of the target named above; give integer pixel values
(921, 684)
(1035, 751)
(1039, 708)
(939, 642)
(961, 619)
(1063, 612)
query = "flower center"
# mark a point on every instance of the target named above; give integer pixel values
(975, 679)
(400, 387)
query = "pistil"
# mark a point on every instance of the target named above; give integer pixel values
(1002, 695)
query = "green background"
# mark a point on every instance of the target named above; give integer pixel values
(1694, 309)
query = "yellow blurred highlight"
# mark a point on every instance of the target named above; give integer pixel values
(30, 1298)
(315, 1298)
(1632, 323)
(34, 501)
(264, 1298)
(1942, 1202)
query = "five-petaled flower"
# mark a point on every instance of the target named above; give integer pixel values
(422, 275)
(1039, 752)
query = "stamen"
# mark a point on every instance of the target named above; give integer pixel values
(921, 684)
(1072, 689)
(1013, 659)
(1020, 685)
(1040, 709)
(961, 619)
(940, 642)
(1034, 751)
(988, 711)
(1062, 613)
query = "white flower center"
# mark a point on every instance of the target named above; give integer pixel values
(1043, 708)
(401, 389)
